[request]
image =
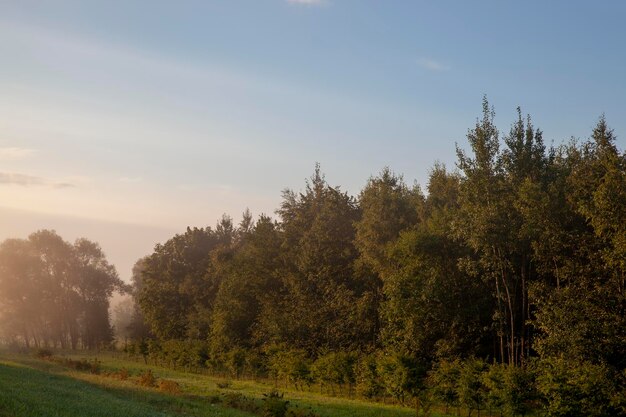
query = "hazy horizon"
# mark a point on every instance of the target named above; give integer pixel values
(115, 119)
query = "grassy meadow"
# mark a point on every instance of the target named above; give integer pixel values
(31, 386)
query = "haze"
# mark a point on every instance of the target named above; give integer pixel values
(125, 126)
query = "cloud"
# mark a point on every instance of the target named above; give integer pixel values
(13, 153)
(307, 2)
(432, 65)
(24, 180)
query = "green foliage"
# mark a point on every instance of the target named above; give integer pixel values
(471, 389)
(574, 388)
(520, 389)
(402, 375)
(368, 382)
(493, 380)
(274, 405)
(519, 254)
(335, 369)
(444, 380)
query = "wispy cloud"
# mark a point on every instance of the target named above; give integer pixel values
(433, 65)
(308, 2)
(13, 153)
(24, 180)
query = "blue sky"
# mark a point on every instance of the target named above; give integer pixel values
(165, 114)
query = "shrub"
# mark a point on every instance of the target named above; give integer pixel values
(520, 390)
(84, 365)
(168, 386)
(444, 379)
(493, 380)
(577, 388)
(123, 374)
(368, 382)
(335, 368)
(240, 402)
(472, 392)
(274, 405)
(147, 379)
(236, 362)
(293, 366)
(43, 353)
(402, 375)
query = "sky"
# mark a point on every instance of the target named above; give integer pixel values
(127, 121)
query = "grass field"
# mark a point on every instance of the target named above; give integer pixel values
(40, 388)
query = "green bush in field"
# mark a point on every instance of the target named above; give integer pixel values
(444, 382)
(274, 405)
(520, 389)
(335, 369)
(236, 362)
(256, 363)
(402, 376)
(292, 366)
(493, 379)
(471, 389)
(579, 388)
(368, 383)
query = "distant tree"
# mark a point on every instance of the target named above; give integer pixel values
(55, 293)
(95, 284)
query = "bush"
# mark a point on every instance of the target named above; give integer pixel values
(43, 353)
(493, 379)
(471, 390)
(336, 368)
(240, 402)
(274, 405)
(236, 362)
(368, 382)
(84, 365)
(578, 388)
(147, 379)
(293, 366)
(123, 374)
(444, 379)
(402, 375)
(520, 391)
(168, 386)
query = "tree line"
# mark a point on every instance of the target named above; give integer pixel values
(518, 255)
(500, 284)
(54, 293)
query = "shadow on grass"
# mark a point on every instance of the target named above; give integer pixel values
(27, 392)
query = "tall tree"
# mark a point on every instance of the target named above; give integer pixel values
(323, 294)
